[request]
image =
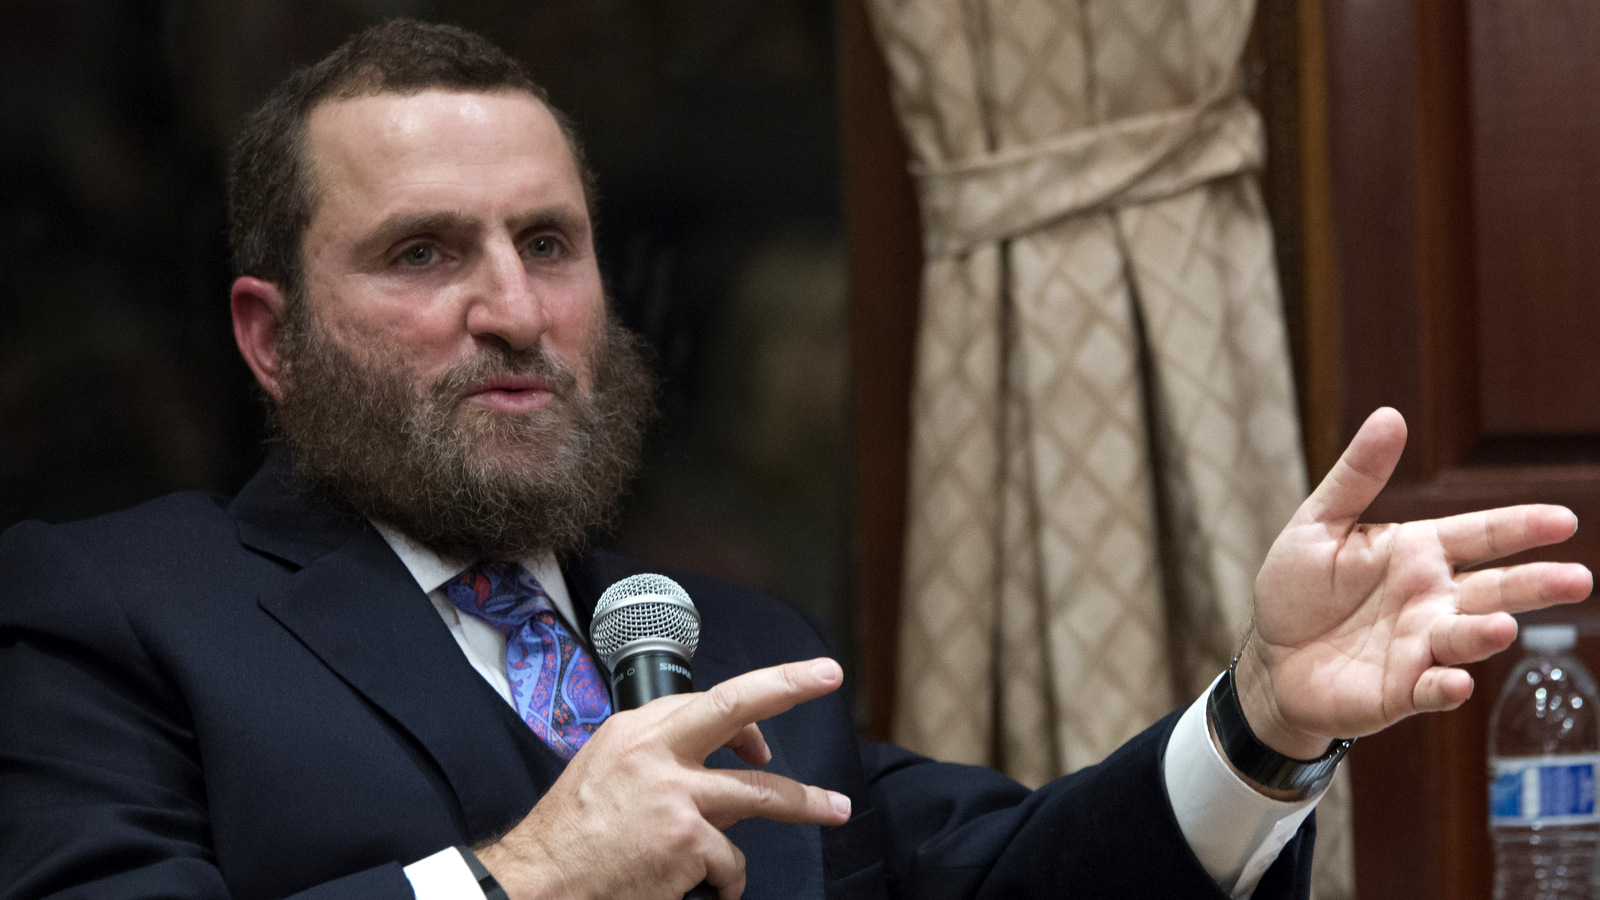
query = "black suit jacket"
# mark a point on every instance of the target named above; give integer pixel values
(255, 700)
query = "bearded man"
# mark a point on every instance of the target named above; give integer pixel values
(367, 676)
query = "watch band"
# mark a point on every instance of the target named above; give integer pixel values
(1257, 761)
(486, 883)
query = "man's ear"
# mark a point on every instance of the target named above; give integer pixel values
(258, 317)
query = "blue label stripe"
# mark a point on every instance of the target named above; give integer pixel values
(1551, 789)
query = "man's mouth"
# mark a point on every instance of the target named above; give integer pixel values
(510, 393)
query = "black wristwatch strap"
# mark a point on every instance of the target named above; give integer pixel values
(1256, 760)
(486, 883)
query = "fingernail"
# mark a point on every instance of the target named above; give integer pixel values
(841, 803)
(825, 669)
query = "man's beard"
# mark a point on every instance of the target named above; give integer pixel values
(460, 479)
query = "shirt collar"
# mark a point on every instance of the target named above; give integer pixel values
(431, 570)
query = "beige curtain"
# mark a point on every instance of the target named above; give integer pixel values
(1104, 433)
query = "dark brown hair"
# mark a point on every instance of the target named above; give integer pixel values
(271, 190)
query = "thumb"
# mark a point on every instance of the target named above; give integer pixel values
(1361, 472)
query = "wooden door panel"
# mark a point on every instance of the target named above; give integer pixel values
(1464, 157)
(1536, 189)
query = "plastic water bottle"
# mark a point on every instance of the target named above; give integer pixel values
(1544, 753)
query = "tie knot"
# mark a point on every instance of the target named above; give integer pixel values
(504, 594)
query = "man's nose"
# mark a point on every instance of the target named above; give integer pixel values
(505, 303)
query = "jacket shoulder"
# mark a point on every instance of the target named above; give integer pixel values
(176, 523)
(152, 557)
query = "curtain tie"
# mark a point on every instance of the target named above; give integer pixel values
(976, 201)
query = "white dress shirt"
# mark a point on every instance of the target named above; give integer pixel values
(1235, 831)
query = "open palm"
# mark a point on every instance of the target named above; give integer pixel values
(1358, 626)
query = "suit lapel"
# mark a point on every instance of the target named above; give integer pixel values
(355, 606)
(360, 612)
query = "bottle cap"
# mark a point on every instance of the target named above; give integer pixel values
(1549, 638)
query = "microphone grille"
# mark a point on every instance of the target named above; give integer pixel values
(645, 612)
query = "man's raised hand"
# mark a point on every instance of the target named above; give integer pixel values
(1358, 626)
(637, 815)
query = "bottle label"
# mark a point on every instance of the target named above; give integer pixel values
(1550, 790)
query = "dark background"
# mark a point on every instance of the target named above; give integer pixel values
(712, 125)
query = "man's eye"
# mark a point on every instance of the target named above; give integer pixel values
(417, 255)
(543, 247)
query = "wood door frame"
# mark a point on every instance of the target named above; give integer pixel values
(885, 252)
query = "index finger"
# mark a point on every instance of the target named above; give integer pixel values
(712, 719)
(1478, 537)
(1361, 472)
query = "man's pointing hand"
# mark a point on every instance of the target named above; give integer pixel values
(637, 814)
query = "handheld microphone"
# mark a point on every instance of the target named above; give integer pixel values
(646, 630)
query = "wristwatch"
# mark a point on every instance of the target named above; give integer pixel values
(486, 883)
(1255, 760)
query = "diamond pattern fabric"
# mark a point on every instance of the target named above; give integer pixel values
(1104, 437)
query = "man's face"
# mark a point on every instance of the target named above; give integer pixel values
(448, 222)
(451, 370)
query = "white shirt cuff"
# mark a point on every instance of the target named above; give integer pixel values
(1235, 831)
(443, 876)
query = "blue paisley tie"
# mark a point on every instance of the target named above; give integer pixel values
(555, 685)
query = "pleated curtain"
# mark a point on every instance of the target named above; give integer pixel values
(1104, 436)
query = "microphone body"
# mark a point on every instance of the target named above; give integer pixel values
(646, 630)
(649, 674)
